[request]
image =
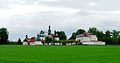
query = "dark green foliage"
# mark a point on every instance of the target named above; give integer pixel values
(107, 40)
(114, 41)
(12, 43)
(110, 41)
(115, 34)
(48, 39)
(100, 34)
(93, 30)
(3, 36)
(80, 31)
(108, 34)
(61, 35)
(19, 42)
(74, 34)
(73, 37)
(110, 37)
(97, 32)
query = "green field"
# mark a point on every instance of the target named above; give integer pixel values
(59, 54)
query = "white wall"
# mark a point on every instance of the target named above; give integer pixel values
(83, 39)
(93, 37)
(33, 43)
(57, 39)
(93, 43)
(36, 43)
(25, 43)
(87, 39)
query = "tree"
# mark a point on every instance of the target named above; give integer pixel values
(73, 37)
(19, 42)
(114, 41)
(100, 34)
(115, 34)
(3, 36)
(80, 31)
(93, 30)
(48, 39)
(107, 34)
(26, 37)
(61, 35)
(74, 34)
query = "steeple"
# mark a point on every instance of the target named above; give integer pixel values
(55, 32)
(49, 30)
(26, 36)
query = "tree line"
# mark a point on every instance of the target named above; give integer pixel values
(110, 37)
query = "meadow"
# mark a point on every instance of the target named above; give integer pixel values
(59, 54)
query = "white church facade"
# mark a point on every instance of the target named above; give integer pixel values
(89, 39)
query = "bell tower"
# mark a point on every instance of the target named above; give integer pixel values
(49, 30)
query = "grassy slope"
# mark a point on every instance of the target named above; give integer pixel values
(59, 54)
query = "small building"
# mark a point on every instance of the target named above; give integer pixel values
(41, 36)
(55, 37)
(31, 41)
(88, 39)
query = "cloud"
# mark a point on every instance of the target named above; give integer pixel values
(50, 0)
(23, 17)
(17, 9)
(92, 4)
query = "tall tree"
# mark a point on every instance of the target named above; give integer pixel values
(61, 35)
(97, 32)
(100, 34)
(3, 36)
(73, 37)
(80, 31)
(115, 34)
(93, 30)
(19, 42)
(107, 34)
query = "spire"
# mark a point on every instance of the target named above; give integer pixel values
(26, 36)
(55, 32)
(49, 30)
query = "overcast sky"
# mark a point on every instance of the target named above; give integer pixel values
(23, 17)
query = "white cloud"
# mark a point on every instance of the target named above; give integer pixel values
(68, 15)
(50, 0)
(92, 4)
(17, 9)
(11, 0)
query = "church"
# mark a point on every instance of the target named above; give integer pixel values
(40, 38)
(88, 39)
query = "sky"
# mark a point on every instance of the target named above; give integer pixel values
(28, 17)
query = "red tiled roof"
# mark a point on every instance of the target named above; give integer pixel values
(87, 34)
(54, 35)
(32, 39)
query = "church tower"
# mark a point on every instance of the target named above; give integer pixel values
(49, 30)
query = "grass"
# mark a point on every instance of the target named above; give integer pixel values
(59, 54)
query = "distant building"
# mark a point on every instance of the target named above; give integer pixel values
(41, 36)
(40, 39)
(55, 36)
(88, 39)
(31, 41)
